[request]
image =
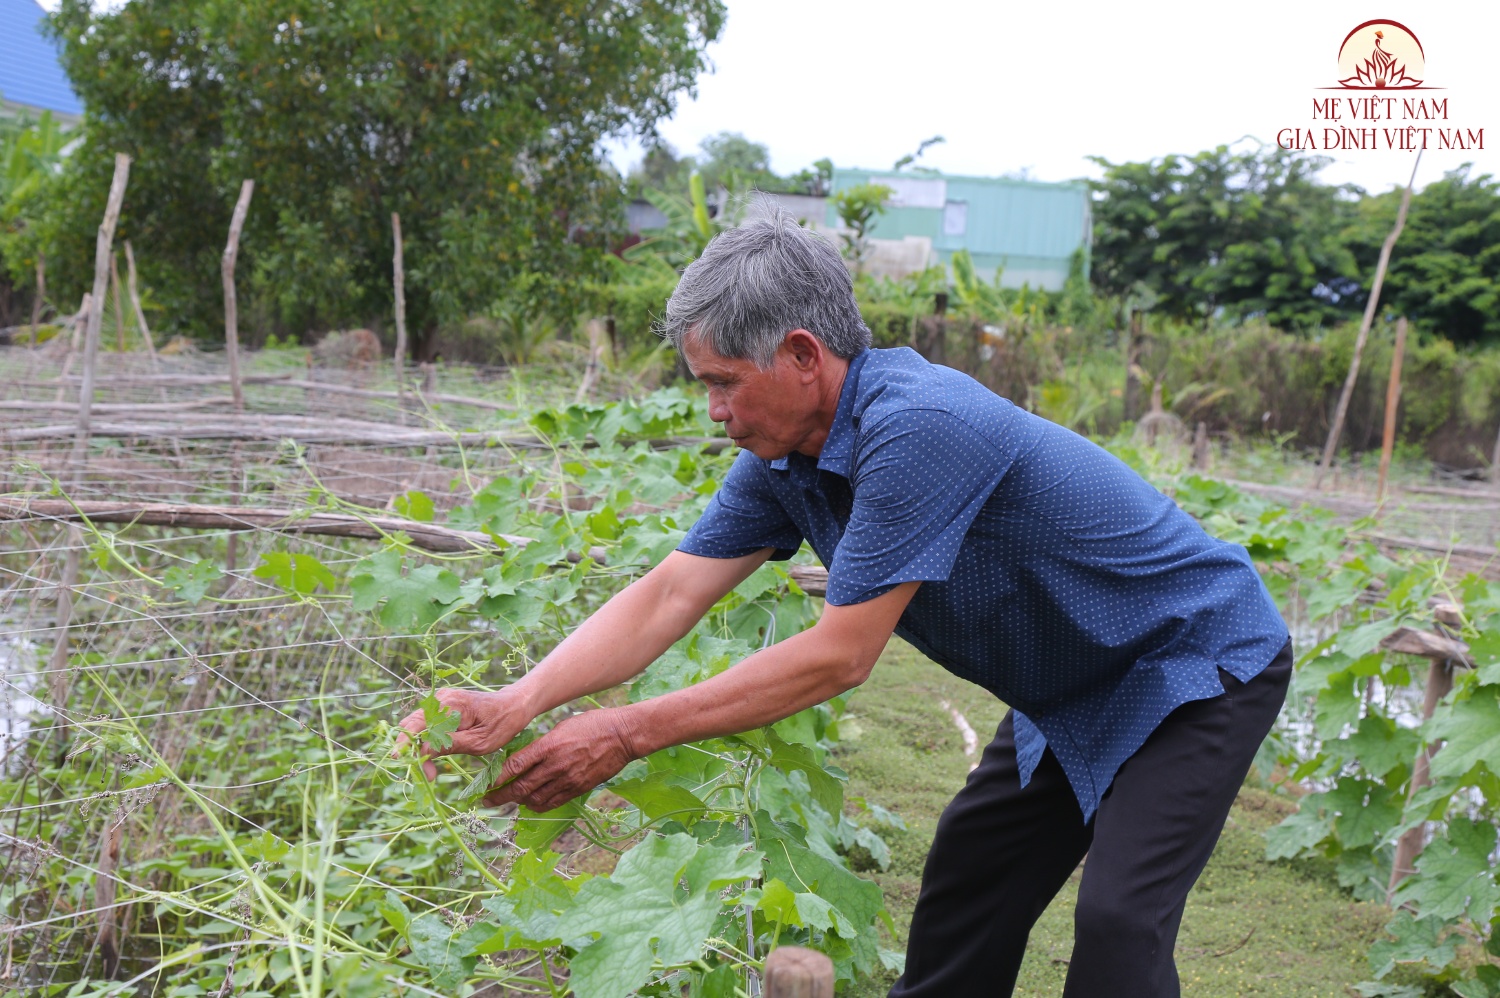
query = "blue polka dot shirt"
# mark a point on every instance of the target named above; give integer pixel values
(1053, 575)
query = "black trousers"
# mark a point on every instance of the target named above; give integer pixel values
(1002, 852)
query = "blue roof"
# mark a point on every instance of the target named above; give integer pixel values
(29, 71)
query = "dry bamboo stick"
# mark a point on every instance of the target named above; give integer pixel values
(119, 299)
(122, 407)
(231, 303)
(40, 297)
(104, 249)
(170, 380)
(398, 269)
(135, 301)
(336, 389)
(1371, 306)
(192, 516)
(1392, 401)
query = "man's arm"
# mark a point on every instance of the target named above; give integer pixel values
(614, 644)
(829, 658)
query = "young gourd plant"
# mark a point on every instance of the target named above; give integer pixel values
(282, 851)
(1362, 732)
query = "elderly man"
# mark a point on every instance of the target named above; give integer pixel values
(1143, 660)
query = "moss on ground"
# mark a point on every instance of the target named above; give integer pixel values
(1251, 927)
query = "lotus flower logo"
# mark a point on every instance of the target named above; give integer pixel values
(1381, 55)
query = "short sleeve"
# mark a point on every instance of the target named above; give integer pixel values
(919, 480)
(743, 517)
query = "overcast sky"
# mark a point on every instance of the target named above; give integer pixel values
(1040, 86)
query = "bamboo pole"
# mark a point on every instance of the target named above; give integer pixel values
(103, 252)
(119, 299)
(1371, 307)
(40, 297)
(231, 304)
(398, 275)
(1495, 463)
(194, 516)
(135, 302)
(1392, 401)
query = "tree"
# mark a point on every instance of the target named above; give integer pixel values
(1250, 232)
(480, 121)
(731, 160)
(858, 207)
(1445, 270)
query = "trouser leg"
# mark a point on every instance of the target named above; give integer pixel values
(1154, 832)
(999, 856)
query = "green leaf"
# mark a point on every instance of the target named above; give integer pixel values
(441, 721)
(1365, 811)
(1453, 875)
(538, 830)
(433, 944)
(1379, 745)
(1415, 942)
(414, 506)
(1472, 730)
(191, 582)
(658, 798)
(297, 573)
(640, 913)
(1300, 832)
(827, 790)
(414, 601)
(804, 871)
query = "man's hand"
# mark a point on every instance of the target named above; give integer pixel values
(487, 721)
(569, 761)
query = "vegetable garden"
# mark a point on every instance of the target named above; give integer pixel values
(198, 796)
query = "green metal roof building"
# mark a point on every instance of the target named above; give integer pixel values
(1027, 229)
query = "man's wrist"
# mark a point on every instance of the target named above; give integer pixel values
(633, 733)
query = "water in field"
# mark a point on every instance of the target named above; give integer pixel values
(19, 710)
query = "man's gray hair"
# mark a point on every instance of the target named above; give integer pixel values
(758, 282)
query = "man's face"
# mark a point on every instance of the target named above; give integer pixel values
(768, 412)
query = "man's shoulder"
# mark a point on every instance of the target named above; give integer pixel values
(899, 380)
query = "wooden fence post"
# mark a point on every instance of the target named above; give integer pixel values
(794, 972)
(1392, 401)
(1371, 306)
(231, 303)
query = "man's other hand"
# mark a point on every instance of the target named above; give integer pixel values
(569, 761)
(487, 721)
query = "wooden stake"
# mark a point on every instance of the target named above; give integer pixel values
(1371, 306)
(135, 302)
(399, 276)
(1495, 463)
(119, 297)
(794, 972)
(104, 247)
(1392, 400)
(1133, 368)
(106, 890)
(41, 296)
(1409, 846)
(231, 304)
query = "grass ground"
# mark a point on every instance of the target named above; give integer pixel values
(1251, 927)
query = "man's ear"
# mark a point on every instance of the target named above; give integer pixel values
(805, 350)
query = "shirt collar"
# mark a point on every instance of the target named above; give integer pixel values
(838, 449)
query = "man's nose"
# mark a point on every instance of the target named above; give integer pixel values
(718, 409)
